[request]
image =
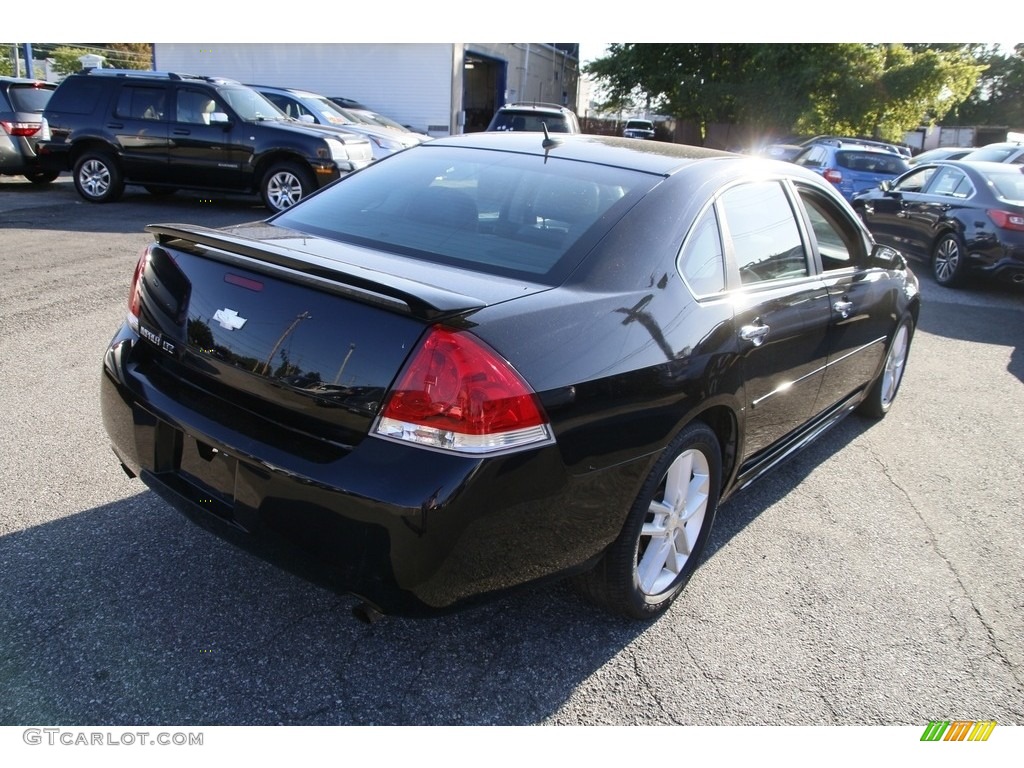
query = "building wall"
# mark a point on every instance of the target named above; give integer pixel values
(536, 72)
(409, 82)
(417, 84)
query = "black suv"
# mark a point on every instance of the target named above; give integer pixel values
(22, 127)
(166, 131)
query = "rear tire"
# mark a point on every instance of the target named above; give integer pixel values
(949, 260)
(883, 392)
(98, 178)
(647, 566)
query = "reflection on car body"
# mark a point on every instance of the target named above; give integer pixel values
(494, 359)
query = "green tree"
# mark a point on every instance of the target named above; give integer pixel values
(998, 97)
(66, 59)
(881, 90)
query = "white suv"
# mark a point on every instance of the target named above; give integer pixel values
(533, 116)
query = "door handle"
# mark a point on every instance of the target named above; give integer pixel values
(182, 132)
(844, 308)
(755, 334)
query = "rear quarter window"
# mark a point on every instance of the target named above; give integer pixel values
(77, 97)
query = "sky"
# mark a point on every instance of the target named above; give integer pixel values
(462, 21)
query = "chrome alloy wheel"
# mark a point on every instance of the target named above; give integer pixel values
(894, 364)
(94, 178)
(673, 522)
(284, 189)
(947, 259)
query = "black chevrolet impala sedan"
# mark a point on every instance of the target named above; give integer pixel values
(500, 358)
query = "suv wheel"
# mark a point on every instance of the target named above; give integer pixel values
(284, 184)
(97, 178)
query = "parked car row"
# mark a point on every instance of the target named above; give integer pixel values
(960, 210)
(166, 131)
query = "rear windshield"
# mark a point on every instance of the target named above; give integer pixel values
(643, 125)
(1008, 186)
(992, 154)
(871, 162)
(529, 121)
(497, 212)
(30, 98)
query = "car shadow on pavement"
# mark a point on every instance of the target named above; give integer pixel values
(997, 325)
(129, 614)
(58, 208)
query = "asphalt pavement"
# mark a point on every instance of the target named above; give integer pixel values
(874, 579)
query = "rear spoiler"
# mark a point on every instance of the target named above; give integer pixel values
(369, 286)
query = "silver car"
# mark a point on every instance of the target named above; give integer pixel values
(22, 126)
(310, 107)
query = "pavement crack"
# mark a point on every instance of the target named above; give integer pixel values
(933, 542)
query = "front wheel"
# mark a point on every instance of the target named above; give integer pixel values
(647, 566)
(284, 184)
(883, 391)
(97, 178)
(949, 261)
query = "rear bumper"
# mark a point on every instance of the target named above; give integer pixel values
(409, 530)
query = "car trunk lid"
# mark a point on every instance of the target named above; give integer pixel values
(308, 342)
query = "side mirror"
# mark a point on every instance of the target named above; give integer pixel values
(308, 119)
(887, 258)
(219, 118)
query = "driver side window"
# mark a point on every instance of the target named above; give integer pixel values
(914, 182)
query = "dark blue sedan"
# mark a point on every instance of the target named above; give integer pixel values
(960, 216)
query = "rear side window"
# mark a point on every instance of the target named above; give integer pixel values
(496, 212)
(763, 232)
(78, 96)
(951, 182)
(141, 103)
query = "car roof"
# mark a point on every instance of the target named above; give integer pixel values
(25, 81)
(664, 159)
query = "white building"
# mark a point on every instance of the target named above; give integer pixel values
(437, 88)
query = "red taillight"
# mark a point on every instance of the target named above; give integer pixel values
(456, 393)
(1007, 219)
(833, 175)
(134, 293)
(20, 129)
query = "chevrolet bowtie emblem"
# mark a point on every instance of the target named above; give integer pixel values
(229, 319)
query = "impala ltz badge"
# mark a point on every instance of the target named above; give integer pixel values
(229, 319)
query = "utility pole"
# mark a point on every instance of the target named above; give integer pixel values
(280, 341)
